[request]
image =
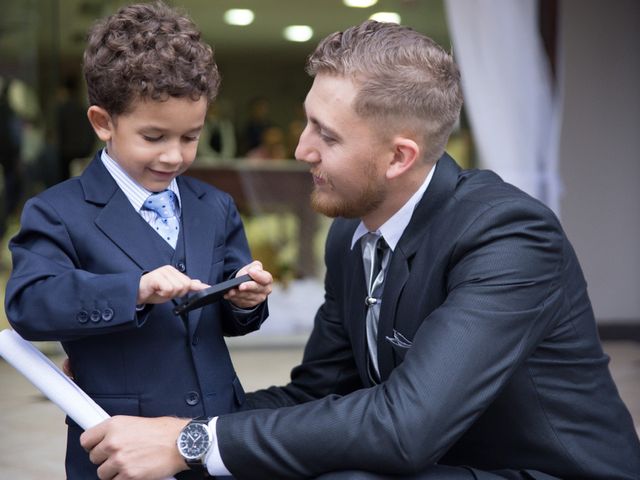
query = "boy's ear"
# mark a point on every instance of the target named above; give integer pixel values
(405, 153)
(101, 122)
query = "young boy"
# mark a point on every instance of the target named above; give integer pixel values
(96, 268)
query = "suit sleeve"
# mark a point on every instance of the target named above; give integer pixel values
(237, 254)
(49, 297)
(504, 289)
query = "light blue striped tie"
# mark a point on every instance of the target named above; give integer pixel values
(166, 224)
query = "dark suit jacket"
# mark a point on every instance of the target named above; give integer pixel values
(77, 262)
(500, 366)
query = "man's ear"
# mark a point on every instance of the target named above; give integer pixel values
(406, 153)
(101, 122)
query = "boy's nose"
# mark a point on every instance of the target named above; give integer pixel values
(172, 155)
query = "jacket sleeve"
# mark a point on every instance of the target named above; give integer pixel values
(49, 297)
(237, 321)
(504, 290)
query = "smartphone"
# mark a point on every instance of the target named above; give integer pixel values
(209, 295)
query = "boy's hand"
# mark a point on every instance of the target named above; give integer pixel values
(250, 294)
(165, 283)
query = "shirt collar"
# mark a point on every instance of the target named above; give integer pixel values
(393, 228)
(135, 192)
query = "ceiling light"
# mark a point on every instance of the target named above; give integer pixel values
(239, 16)
(359, 3)
(389, 17)
(298, 33)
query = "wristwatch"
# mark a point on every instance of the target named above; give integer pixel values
(194, 442)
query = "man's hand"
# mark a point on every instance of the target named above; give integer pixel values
(135, 448)
(250, 294)
(166, 283)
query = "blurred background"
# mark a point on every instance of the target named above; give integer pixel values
(552, 103)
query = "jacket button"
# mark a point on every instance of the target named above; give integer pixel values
(107, 314)
(95, 316)
(192, 398)
(82, 316)
(181, 267)
(195, 340)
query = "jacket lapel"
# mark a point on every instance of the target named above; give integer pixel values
(397, 274)
(117, 219)
(416, 235)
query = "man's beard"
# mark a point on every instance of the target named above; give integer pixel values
(358, 206)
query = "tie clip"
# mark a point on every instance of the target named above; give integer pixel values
(368, 301)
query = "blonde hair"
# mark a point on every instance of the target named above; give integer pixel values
(407, 81)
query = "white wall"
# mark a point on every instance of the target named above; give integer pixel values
(600, 149)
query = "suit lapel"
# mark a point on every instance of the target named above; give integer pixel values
(397, 274)
(199, 237)
(117, 219)
(416, 235)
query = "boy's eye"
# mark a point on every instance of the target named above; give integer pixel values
(149, 138)
(192, 138)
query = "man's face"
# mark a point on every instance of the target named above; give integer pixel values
(157, 140)
(345, 153)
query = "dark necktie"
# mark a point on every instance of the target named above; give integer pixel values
(167, 224)
(375, 254)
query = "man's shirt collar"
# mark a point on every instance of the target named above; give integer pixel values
(393, 228)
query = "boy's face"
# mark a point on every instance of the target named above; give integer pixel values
(157, 140)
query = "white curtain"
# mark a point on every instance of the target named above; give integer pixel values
(510, 99)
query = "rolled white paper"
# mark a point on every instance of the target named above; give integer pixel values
(50, 380)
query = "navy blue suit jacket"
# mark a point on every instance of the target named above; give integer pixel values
(488, 352)
(77, 262)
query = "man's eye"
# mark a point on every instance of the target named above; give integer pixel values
(327, 139)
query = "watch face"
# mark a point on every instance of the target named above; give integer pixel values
(194, 441)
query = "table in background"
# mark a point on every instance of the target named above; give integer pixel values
(270, 186)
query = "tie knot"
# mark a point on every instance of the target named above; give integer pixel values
(375, 244)
(163, 203)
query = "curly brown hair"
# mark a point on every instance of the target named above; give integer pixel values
(147, 51)
(405, 79)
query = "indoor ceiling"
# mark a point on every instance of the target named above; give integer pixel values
(271, 16)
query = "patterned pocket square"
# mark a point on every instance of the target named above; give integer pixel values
(399, 340)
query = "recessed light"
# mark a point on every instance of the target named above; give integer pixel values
(389, 17)
(360, 3)
(298, 33)
(239, 16)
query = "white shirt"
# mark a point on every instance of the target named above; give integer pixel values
(135, 192)
(391, 230)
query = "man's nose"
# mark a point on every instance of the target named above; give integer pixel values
(305, 151)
